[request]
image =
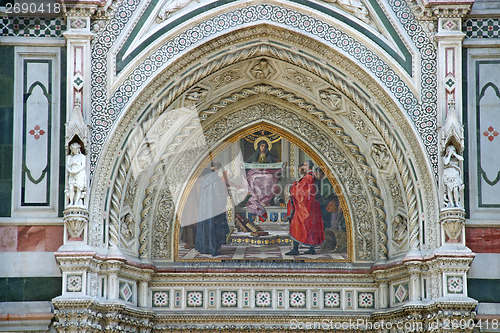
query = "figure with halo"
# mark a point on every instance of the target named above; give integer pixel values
(263, 173)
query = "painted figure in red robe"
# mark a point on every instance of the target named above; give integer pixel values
(306, 222)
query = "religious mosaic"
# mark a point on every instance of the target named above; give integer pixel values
(244, 203)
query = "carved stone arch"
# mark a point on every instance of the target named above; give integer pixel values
(365, 100)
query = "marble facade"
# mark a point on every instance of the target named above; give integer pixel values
(396, 99)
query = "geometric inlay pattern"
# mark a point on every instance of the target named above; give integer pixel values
(332, 299)
(490, 133)
(401, 293)
(74, 283)
(263, 299)
(194, 299)
(160, 299)
(37, 132)
(297, 299)
(455, 284)
(366, 300)
(126, 291)
(229, 299)
(482, 28)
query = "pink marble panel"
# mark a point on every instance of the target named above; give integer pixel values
(54, 238)
(31, 238)
(8, 239)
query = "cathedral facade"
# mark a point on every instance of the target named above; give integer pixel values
(250, 166)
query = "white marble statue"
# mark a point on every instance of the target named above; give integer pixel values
(452, 177)
(75, 165)
(356, 7)
(170, 7)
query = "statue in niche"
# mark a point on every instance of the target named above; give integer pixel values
(331, 98)
(452, 177)
(77, 178)
(262, 70)
(381, 156)
(399, 229)
(127, 226)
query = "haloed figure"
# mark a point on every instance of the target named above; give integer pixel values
(306, 224)
(261, 180)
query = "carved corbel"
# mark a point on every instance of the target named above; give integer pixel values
(75, 223)
(453, 226)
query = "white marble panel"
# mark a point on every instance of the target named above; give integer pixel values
(485, 266)
(28, 264)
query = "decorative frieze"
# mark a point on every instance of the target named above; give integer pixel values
(32, 26)
(481, 28)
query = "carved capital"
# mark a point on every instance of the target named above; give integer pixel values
(81, 8)
(433, 9)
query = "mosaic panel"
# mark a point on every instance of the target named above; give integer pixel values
(246, 298)
(229, 299)
(331, 299)
(32, 27)
(297, 299)
(280, 299)
(487, 133)
(454, 284)
(74, 283)
(126, 291)
(161, 299)
(263, 299)
(349, 300)
(482, 28)
(366, 300)
(314, 299)
(105, 114)
(177, 299)
(212, 298)
(194, 299)
(401, 293)
(37, 137)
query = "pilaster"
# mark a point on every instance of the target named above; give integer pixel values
(78, 38)
(449, 39)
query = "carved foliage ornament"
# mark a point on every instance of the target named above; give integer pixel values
(331, 98)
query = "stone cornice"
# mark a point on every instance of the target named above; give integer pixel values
(81, 8)
(434, 9)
